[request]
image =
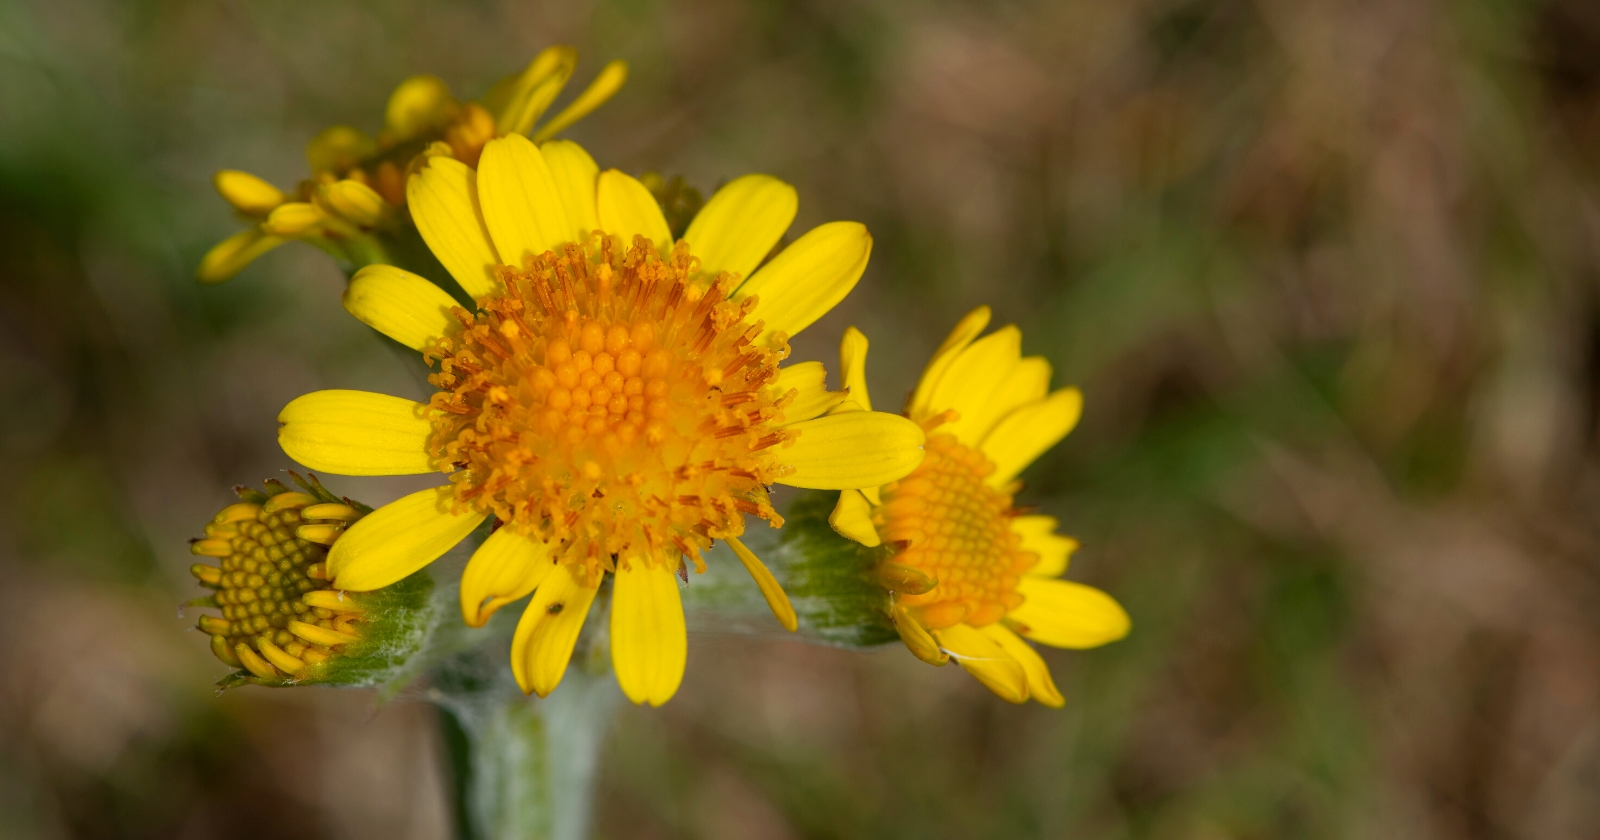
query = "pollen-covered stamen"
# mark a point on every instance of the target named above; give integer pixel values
(956, 529)
(278, 614)
(607, 404)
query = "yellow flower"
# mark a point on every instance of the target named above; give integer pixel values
(967, 571)
(281, 621)
(357, 189)
(615, 404)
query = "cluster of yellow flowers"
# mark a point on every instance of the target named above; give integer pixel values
(353, 205)
(618, 399)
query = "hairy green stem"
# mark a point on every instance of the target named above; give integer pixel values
(526, 767)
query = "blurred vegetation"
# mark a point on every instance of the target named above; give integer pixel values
(1326, 272)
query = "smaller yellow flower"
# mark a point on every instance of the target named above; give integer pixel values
(357, 190)
(281, 619)
(968, 573)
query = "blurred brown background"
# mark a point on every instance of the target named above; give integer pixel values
(1327, 272)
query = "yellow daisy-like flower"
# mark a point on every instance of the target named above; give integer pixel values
(615, 404)
(358, 182)
(969, 573)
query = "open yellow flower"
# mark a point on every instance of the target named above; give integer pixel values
(615, 404)
(968, 572)
(357, 188)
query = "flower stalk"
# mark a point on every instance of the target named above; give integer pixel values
(525, 768)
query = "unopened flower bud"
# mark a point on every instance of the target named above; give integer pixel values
(231, 255)
(247, 193)
(293, 219)
(352, 204)
(282, 622)
(358, 203)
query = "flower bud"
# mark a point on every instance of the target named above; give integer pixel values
(247, 193)
(420, 105)
(352, 205)
(295, 218)
(231, 255)
(358, 203)
(282, 622)
(339, 148)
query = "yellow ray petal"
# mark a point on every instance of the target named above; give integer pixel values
(649, 643)
(917, 638)
(399, 304)
(521, 204)
(443, 197)
(852, 518)
(278, 656)
(1040, 686)
(328, 599)
(1027, 432)
(397, 539)
(418, 105)
(812, 398)
(505, 568)
(556, 588)
(1039, 536)
(853, 366)
(575, 174)
(1028, 382)
(530, 93)
(542, 646)
(253, 661)
(899, 578)
(605, 85)
(809, 277)
(232, 255)
(320, 635)
(739, 225)
(970, 384)
(852, 450)
(921, 405)
(981, 657)
(627, 208)
(1064, 614)
(356, 433)
(248, 193)
(777, 599)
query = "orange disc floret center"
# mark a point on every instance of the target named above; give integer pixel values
(608, 405)
(957, 529)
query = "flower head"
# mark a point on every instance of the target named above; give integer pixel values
(281, 620)
(968, 573)
(614, 404)
(356, 195)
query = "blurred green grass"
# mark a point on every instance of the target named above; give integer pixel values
(1326, 273)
